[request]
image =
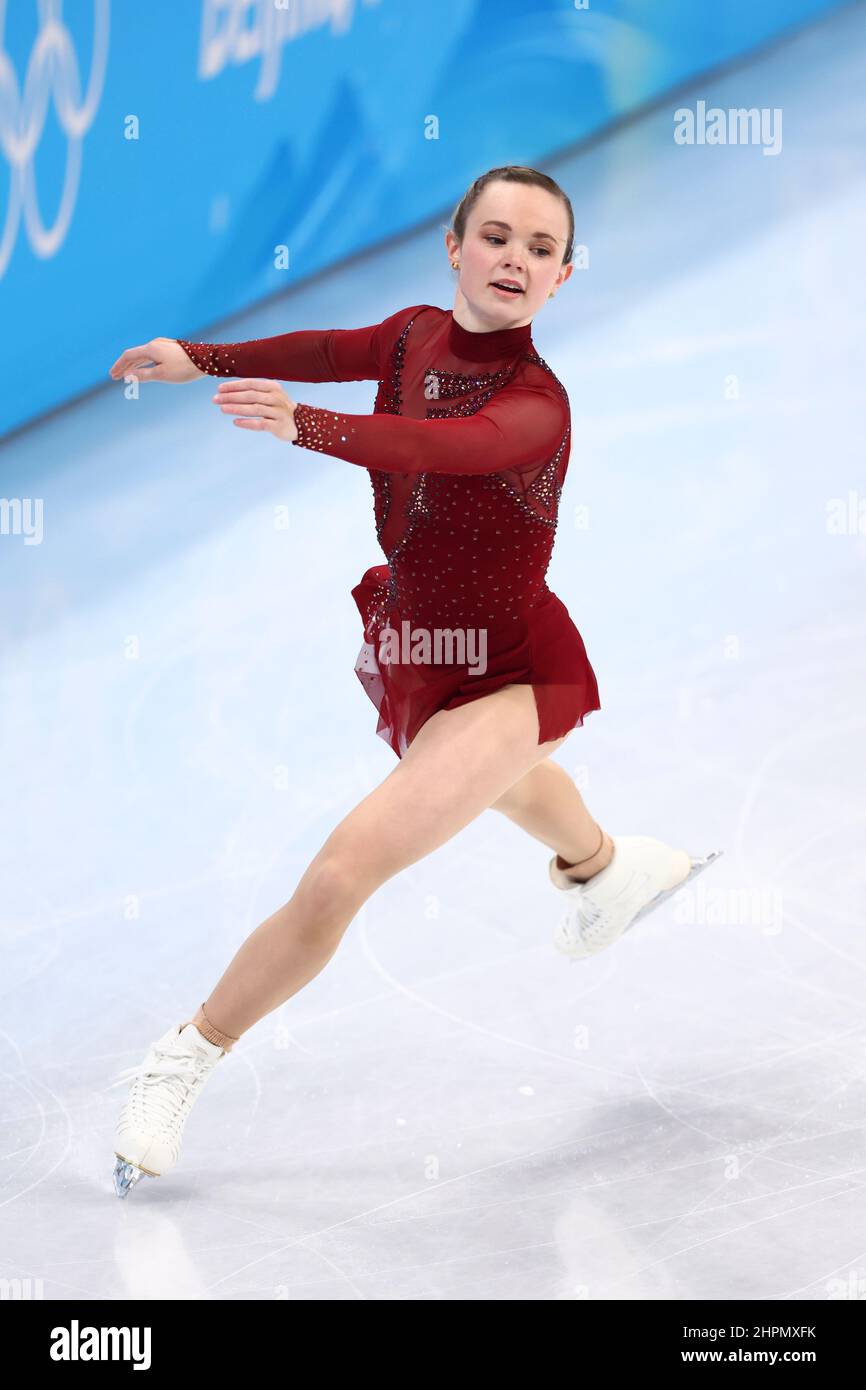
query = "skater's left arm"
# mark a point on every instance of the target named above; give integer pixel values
(517, 427)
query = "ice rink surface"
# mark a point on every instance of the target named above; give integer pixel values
(452, 1110)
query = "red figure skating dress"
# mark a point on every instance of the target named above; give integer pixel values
(466, 450)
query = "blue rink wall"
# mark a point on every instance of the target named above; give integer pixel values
(165, 165)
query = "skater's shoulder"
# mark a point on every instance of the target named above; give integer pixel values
(539, 376)
(401, 317)
(395, 324)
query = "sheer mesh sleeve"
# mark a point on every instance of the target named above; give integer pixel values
(309, 354)
(520, 428)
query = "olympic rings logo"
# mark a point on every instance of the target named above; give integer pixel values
(52, 72)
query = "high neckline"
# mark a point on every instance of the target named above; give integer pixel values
(486, 347)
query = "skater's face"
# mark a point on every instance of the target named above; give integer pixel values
(514, 232)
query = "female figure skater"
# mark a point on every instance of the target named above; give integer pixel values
(466, 450)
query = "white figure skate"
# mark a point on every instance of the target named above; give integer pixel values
(163, 1089)
(642, 873)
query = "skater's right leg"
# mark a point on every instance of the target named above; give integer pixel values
(459, 763)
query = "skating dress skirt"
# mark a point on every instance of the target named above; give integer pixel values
(467, 450)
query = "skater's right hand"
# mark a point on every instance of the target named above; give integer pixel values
(170, 363)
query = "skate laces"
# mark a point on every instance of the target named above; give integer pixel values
(185, 1067)
(164, 1087)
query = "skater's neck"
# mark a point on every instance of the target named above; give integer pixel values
(487, 346)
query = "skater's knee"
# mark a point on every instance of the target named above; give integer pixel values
(329, 890)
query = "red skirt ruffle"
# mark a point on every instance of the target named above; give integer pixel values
(543, 649)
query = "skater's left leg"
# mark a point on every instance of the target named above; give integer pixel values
(546, 804)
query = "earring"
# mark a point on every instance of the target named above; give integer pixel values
(455, 265)
(550, 296)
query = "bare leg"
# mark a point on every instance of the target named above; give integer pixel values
(546, 803)
(458, 764)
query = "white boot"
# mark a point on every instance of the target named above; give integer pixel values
(642, 873)
(164, 1088)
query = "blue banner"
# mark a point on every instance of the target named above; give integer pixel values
(164, 165)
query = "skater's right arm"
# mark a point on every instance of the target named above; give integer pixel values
(308, 354)
(161, 359)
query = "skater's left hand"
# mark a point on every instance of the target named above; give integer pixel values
(259, 405)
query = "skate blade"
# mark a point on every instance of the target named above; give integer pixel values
(127, 1174)
(698, 866)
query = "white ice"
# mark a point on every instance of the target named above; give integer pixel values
(452, 1110)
